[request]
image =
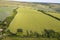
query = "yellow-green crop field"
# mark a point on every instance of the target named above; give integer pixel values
(29, 19)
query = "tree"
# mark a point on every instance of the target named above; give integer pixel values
(20, 32)
(36, 34)
(9, 33)
(51, 34)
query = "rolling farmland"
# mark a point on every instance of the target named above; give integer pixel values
(29, 19)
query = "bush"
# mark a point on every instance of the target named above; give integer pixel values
(19, 30)
(10, 33)
(51, 34)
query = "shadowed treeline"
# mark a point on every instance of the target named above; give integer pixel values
(31, 34)
(49, 15)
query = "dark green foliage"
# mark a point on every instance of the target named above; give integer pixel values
(50, 34)
(10, 33)
(0, 21)
(5, 23)
(32, 34)
(36, 34)
(9, 18)
(15, 11)
(27, 34)
(19, 30)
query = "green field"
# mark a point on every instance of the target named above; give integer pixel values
(30, 19)
(5, 12)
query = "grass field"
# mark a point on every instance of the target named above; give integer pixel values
(29, 38)
(5, 12)
(18, 38)
(29, 19)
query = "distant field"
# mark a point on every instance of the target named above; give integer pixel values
(5, 12)
(30, 19)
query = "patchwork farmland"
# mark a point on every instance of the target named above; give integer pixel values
(29, 21)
